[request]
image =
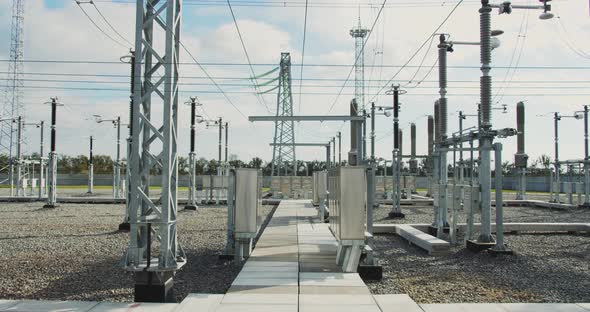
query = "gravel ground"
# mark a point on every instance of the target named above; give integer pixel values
(73, 253)
(545, 267)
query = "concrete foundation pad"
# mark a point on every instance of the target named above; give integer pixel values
(44, 306)
(264, 289)
(334, 290)
(241, 298)
(397, 302)
(256, 308)
(5, 304)
(431, 244)
(475, 246)
(135, 307)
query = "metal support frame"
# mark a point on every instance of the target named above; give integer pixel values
(154, 146)
(396, 210)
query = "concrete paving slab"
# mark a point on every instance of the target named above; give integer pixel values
(266, 274)
(543, 307)
(256, 308)
(396, 303)
(265, 282)
(340, 308)
(199, 302)
(45, 306)
(463, 307)
(135, 307)
(264, 289)
(336, 300)
(334, 290)
(584, 305)
(272, 264)
(277, 269)
(280, 299)
(5, 304)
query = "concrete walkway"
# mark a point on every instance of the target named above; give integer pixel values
(291, 269)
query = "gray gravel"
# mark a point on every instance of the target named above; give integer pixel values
(73, 252)
(545, 268)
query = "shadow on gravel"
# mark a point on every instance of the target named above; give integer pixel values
(61, 236)
(101, 281)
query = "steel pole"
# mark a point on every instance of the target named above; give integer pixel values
(192, 203)
(556, 118)
(41, 175)
(339, 148)
(90, 168)
(373, 131)
(443, 117)
(586, 160)
(19, 158)
(52, 170)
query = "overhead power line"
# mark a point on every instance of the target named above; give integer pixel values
(98, 27)
(110, 25)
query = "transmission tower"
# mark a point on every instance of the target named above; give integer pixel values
(13, 105)
(359, 34)
(284, 141)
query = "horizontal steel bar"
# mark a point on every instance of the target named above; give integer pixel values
(306, 118)
(299, 144)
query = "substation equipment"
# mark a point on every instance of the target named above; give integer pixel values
(446, 196)
(243, 206)
(52, 164)
(571, 187)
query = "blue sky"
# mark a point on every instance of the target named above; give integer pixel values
(210, 34)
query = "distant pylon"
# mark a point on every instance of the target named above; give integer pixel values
(283, 152)
(13, 105)
(359, 33)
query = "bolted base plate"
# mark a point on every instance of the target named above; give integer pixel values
(190, 207)
(475, 246)
(370, 272)
(432, 230)
(124, 227)
(396, 215)
(226, 257)
(500, 251)
(154, 287)
(50, 206)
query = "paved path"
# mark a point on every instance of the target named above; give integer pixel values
(291, 269)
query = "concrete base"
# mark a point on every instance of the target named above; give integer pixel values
(49, 206)
(370, 272)
(154, 287)
(475, 246)
(190, 207)
(396, 215)
(124, 227)
(585, 205)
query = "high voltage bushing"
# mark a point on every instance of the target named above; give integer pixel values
(413, 161)
(436, 122)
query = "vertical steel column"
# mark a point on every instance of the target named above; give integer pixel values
(41, 167)
(192, 187)
(499, 247)
(20, 190)
(226, 143)
(90, 168)
(486, 138)
(220, 123)
(124, 226)
(154, 147)
(373, 131)
(333, 151)
(586, 161)
(461, 161)
(520, 159)
(339, 135)
(52, 167)
(118, 189)
(365, 134)
(396, 211)
(556, 119)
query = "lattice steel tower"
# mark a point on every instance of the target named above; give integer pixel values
(284, 141)
(359, 34)
(154, 253)
(13, 105)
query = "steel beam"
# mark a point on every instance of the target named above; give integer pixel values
(306, 118)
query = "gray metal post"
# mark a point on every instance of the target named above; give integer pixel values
(220, 123)
(396, 211)
(499, 247)
(556, 119)
(586, 161)
(333, 151)
(339, 135)
(461, 161)
(231, 206)
(364, 134)
(118, 161)
(20, 191)
(226, 144)
(90, 168)
(41, 167)
(373, 131)
(520, 159)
